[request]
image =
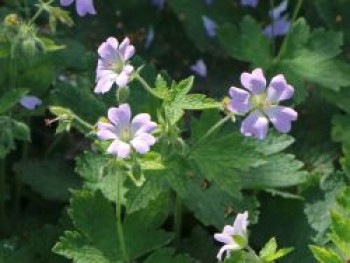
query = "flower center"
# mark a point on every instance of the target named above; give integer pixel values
(259, 100)
(125, 135)
(118, 66)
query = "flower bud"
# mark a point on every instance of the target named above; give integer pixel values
(11, 20)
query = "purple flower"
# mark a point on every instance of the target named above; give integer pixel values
(149, 37)
(281, 24)
(251, 3)
(127, 134)
(262, 104)
(83, 6)
(227, 236)
(200, 68)
(158, 3)
(30, 102)
(113, 65)
(210, 26)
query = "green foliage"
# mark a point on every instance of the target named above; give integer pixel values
(340, 233)
(269, 252)
(10, 99)
(250, 44)
(11, 130)
(95, 236)
(52, 179)
(167, 255)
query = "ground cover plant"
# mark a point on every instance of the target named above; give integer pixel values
(174, 131)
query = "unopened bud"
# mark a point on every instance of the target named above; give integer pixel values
(11, 20)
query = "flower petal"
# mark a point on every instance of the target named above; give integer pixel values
(122, 80)
(85, 7)
(279, 89)
(223, 238)
(106, 131)
(254, 82)
(142, 123)
(107, 50)
(227, 249)
(210, 26)
(200, 68)
(281, 117)
(120, 116)
(30, 102)
(119, 148)
(66, 2)
(142, 142)
(104, 84)
(240, 224)
(239, 102)
(255, 125)
(126, 49)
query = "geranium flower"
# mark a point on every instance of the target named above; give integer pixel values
(251, 3)
(127, 134)
(210, 26)
(200, 68)
(229, 233)
(113, 65)
(262, 104)
(30, 102)
(281, 24)
(84, 7)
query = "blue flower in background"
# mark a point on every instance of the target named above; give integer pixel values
(281, 24)
(30, 102)
(210, 26)
(251, 3)
(158, 3)
(200, 68)
(84, 7)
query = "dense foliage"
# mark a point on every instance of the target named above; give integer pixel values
(174, 131)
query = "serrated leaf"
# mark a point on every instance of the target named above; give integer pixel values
(325, 255)
(269, 248)
(10, 98)
(246, 43)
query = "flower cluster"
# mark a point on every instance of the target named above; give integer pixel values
(261, 104)
(113, 65)
(234, 237)
(83, 7)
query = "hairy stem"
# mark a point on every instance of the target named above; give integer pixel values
(146, 86)
(40, 10)
(119, 222)
(178, 219)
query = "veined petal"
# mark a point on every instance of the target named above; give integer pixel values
(119, 148)
(256, 124)
(240, 224)
(254, 82)
(122, 79)
(281, 117)
(142, 142)
(120, 116)
(142, 123)
(239, 102)
(227, 249)
(104, 84)
(279, 89)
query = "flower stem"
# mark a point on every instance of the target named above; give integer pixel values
(2, 194)
(146, 86)
(286, 39)
(212, 130)
(40, 10)
(121, 240)
(178, 219)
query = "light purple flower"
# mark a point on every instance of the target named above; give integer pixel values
(281, 24)
(251, 3)
(84, 7)
(200, 68)
(149, 37)
(262, 104)
(210, 26)
(227, 236)
(30, 102)
(127, 134)
(113, 65)
(158, 3)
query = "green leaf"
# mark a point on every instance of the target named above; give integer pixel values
(52, 179)
(11, 98)
(246, 43)
(98, 174)
(50, 45)
(21, 131)
(269, 248)
(325, 255)
(95, 239)
(168, 255)
(269, 252)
